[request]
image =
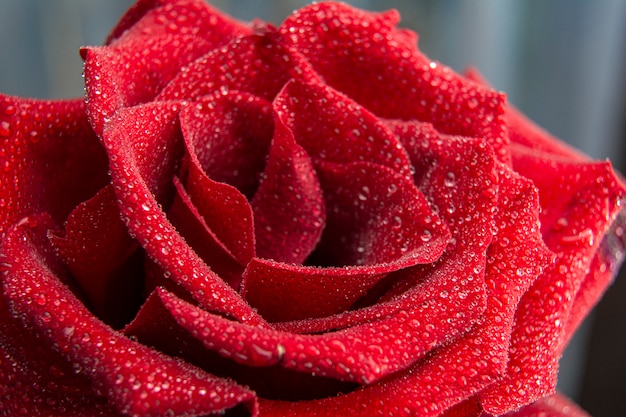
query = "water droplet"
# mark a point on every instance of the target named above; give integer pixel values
(34, 136)
(5, 129)
(10, 110)
(450, 180)
(426, 236)
(68, 331)
(40, 299)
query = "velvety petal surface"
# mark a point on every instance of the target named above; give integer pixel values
(555, 405)
(108, 267)
(148, 49)
(288, 207)
(135, 379)
(260, 64)
(133, 184)
(334, 128)
(50, 159)
(577, 210)
(364, 56)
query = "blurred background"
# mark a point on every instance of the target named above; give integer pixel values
(563, 62)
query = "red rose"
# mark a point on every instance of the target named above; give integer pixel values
(313, 219)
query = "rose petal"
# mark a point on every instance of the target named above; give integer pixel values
(361, 354)
(36, 380)
(282, 292)
(152, 43)
(376, 216)
(602, 271)
(376, 219)
(263, 65)
(452, 374)
(477, 359)
(103, 267)
(572, 230)
(466, 204)
(462, 368)
(141, 212)
(228, 136)
(289, 210)
(123, 370)
(190, 223)
(556, 405)
(225, 155)
(155, 326)
(225, 211)
(334, 128)
(50, 158)
(362, 55)
(468, 408)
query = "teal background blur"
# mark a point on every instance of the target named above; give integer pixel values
(563, 62)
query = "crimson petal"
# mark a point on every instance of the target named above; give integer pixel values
(376, 216)
(361, 354)
(573, 232)
(452, 374)
(334, 128)
(136, 380)
(289, 210)
(378, 222)
(36, 380)
(153, 41)
(602, 271)
(458, 178)
(225, 211)
(125, 139)
(282, 292)
(555, 405)
(363, 55)
(228, 136)
(185, 216)
(259, 64)
(50, 159)
(102, 268)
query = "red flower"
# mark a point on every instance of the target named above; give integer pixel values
(313, 219)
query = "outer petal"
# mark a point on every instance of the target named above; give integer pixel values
(579, 202)
(35, 380)
(260, 64)
(154, 40)
(602, 271)
(364, 56)
(50, 159)
(135, 379)
(556, 405)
